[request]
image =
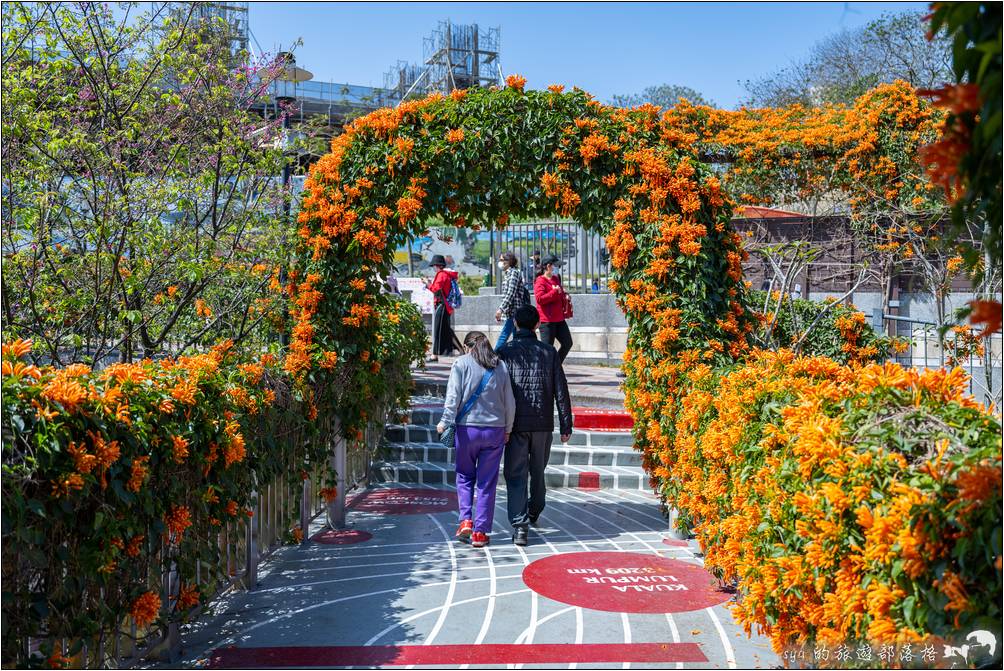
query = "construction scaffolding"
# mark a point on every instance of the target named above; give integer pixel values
(454, 57)
(233, 14)
(462, 56)
(404, 77)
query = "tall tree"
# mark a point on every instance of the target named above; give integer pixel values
(846, 64)
(141, 199)
(664, 95)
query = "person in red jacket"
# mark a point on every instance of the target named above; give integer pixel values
(444, 340)
(549, 293)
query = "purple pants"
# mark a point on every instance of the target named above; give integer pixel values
(479, 451)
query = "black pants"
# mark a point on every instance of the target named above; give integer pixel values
(444, 340)
(526, 456)
(551, 331)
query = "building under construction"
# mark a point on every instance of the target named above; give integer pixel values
(233, 14)
(455, 56)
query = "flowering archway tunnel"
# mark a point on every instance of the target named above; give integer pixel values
(832, 527)
(480, 158)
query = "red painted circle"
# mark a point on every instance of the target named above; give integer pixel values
(623, 582)
(406, 501)
(341, 536)
(675, 543)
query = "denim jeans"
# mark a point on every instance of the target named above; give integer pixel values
(507, 328)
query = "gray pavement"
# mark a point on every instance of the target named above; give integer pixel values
(412, 585)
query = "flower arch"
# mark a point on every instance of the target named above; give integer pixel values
(480, 157)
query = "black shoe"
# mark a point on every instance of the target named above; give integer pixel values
(519, 536)
(533, 519)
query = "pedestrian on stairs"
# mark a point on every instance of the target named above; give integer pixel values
(538, 384)
(480, 403)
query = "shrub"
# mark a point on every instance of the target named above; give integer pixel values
(847, 504)
(818, 328)
(111, 476)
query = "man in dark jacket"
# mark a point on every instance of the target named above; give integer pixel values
(538, 382)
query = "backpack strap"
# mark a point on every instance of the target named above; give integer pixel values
(470, 402)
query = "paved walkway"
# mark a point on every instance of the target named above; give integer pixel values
(597, 585)
(601, 584)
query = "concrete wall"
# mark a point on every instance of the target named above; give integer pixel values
(599, 330)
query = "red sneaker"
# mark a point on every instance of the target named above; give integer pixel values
(479, 539)
(464, 532)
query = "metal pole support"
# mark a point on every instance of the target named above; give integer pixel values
(674, 531)
(251, 541)
(171, 651)
(338, 462)
(305, 508)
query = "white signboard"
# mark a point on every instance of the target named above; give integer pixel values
(420, 296)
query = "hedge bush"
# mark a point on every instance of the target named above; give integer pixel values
(848, 504)
(819, 328)
(110, 476)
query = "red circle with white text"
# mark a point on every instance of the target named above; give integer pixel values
(341, 536)
(402, 501)
(624, 582)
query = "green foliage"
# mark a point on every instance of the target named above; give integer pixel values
(471, 284)
(141, 199)
(974, 29)
(816, 328)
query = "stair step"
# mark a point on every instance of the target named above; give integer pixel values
(423, 433)
(555, 476)
(561, 455)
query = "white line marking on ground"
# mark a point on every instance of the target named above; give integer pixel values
(673, 631)
(453, 586)
(416, 616)
(730, 655)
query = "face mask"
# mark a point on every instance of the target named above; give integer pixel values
(502, 265)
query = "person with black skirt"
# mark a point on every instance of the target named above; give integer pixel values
(444, 340)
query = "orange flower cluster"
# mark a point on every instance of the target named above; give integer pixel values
(868, 149)
(515, 82)
(989, 314)
(188, 597)
(145, 608)
(942, 157)
(851, 327)
(179, 449)
(566, 198)
(789, 507)
(177, 521)
(593, 146)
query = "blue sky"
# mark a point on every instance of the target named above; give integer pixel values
(604, 48)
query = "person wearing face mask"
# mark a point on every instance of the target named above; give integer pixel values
(514, 295)
(554, 305)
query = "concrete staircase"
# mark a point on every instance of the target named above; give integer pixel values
(594, 458)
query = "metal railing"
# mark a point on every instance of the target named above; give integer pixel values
(585, 262)
(981, 359)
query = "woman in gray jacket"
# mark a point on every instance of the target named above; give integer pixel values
(481, 432)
